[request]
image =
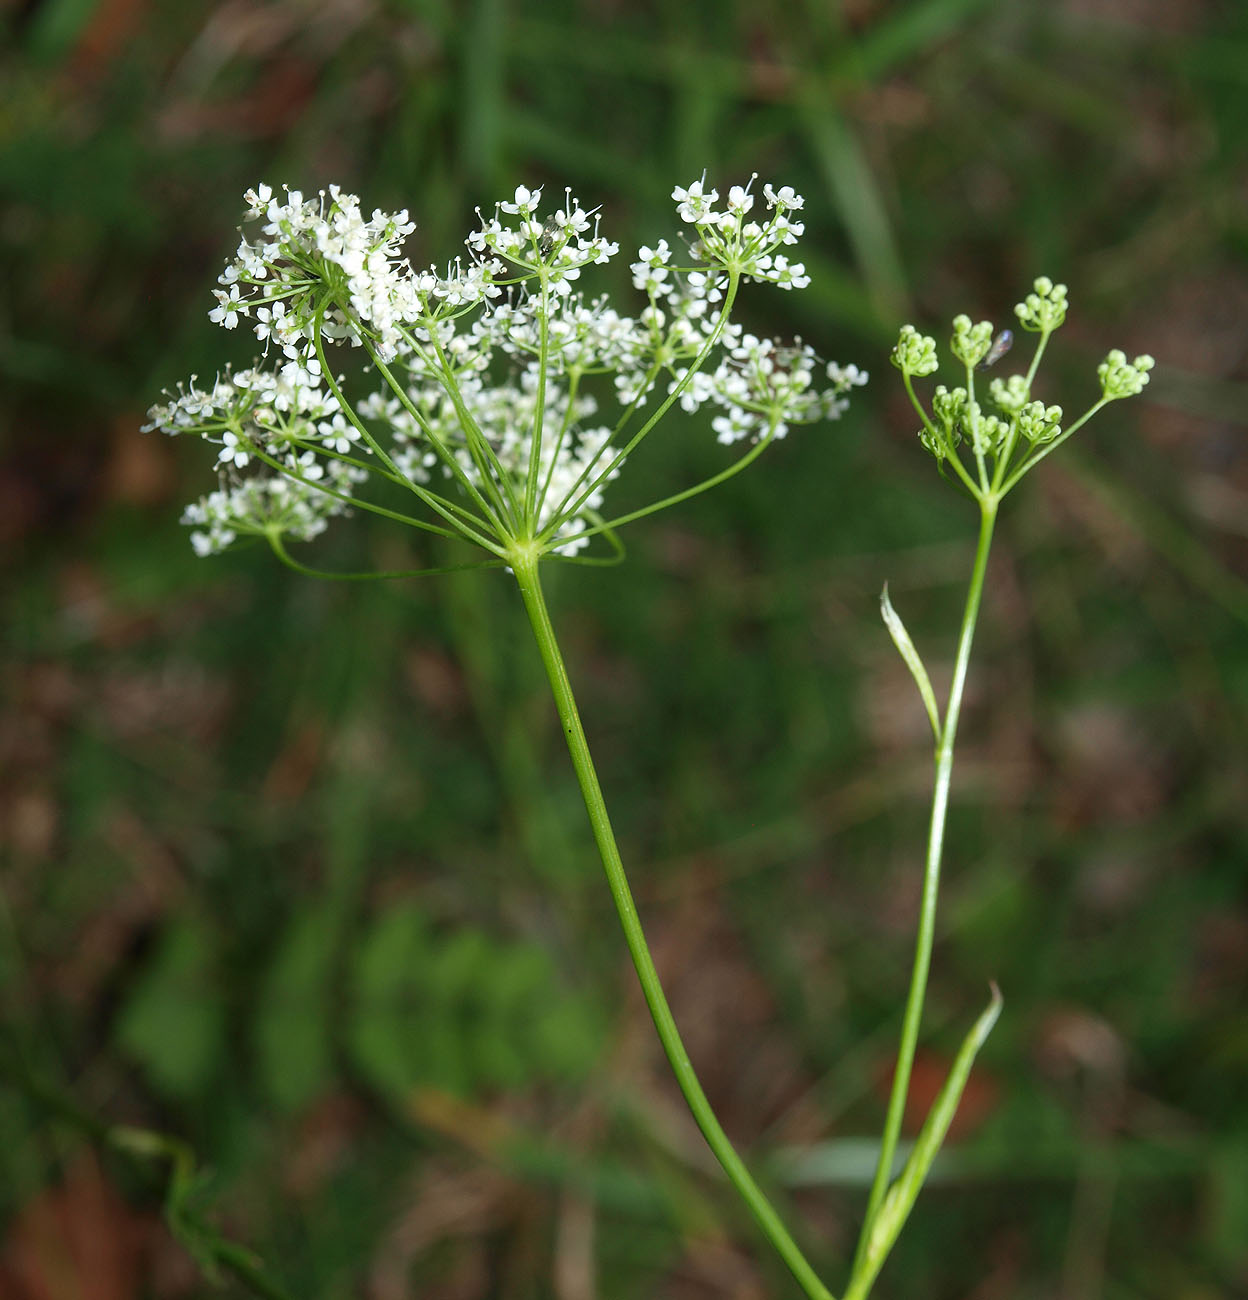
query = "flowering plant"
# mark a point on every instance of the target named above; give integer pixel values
(482, 408)
(1003, 447)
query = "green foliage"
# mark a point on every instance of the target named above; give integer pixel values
(451, 1009)
(460, 1013)
(173, 1024)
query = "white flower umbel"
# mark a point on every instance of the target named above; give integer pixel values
(489, 371)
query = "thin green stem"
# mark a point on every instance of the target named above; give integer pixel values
(279, 549)
(931, 881)
(976, 441)
(1006, 454)
(565, 426)
(605, 530)
(1041, 343)
(447, 455)
(347, 409)
(951, 453)
(357, 503)
(1003, 461)
(591, 465)
(525, 565)
(568, 509)
(1051, 447)
(497, 480)
(676, 498)
(539, 412)
(431, 499)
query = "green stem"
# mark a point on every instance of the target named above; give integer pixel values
(356, 503)
(431, 499)
(525, 565)
(279, 549)
(951, 452)
(475, 441)
(976, 445)
(568, 509)
(698, 488)
(531, 503)
(931, 880)
(1050, 447)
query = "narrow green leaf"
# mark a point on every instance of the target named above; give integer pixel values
(897, 1205)
(905, 647)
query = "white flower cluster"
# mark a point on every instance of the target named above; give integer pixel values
(280, 421)
(764, 387)
(556, 247)
(727, 238)
(318, 264)
(486, 363)
(279, 504)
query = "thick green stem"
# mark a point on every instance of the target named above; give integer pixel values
(931, 880)
(525, 567)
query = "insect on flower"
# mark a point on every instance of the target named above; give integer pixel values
(1000, 346)
(550, 232)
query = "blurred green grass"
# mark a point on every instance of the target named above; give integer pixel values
(221, 785)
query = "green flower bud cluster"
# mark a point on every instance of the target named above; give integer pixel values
(948, 407)
(915, 353)
(1039, 423)
(1009, 394)
(970, 343)
(1007, 443)
(988, 432)
(1122, 378)
(960, 418)
(1044, 310)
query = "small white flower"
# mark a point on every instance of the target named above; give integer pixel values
(337, 434)
(308, 466)
(735, 426)
(785, 197)
(740, 200)
(694, 203)
(846, 377)
(524, 202)
(232, 452)
(228, 308)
